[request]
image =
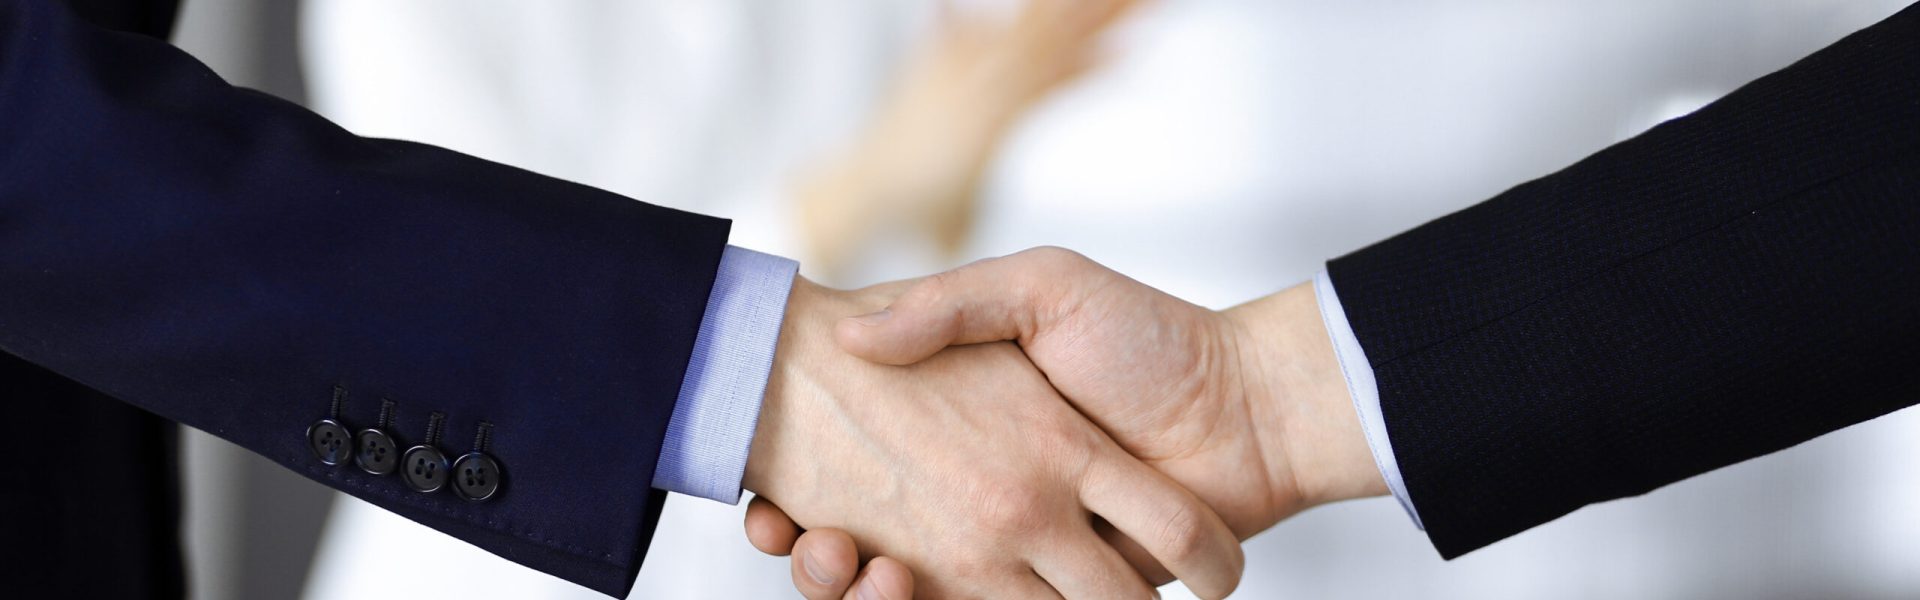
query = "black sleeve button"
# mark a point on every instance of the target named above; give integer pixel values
(424, 469)
(328, 440)
(476, 477)
(373, 449)
(375, 452)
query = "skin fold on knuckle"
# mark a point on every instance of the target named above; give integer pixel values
(1180, 537)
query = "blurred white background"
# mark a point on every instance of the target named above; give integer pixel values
(1223, 150)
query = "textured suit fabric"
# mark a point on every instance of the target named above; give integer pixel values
(225, 259)
(1723, 286)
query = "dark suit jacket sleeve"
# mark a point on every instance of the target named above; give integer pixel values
(226, 259)
(1723, 286)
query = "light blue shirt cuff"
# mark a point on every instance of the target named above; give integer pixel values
(1365, 392)
(708, 436)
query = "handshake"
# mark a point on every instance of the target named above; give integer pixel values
(1039, 426)
(1725, 285)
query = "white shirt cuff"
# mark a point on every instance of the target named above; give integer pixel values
(1365, 392)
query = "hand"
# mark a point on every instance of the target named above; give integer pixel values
(825, 560)
(968, 468)
(1246, 407)
(917, 165)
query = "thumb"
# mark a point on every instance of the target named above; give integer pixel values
(1006, 298)
(769, 529)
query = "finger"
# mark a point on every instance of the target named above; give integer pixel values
(824, 563)
(1030, 586)
(1022, 584)
(1150, 569)
(769, 528)
(1173, 525)
(1089, 568)
(1006, 298)
(883, 579)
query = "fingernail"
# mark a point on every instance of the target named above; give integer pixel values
(819, 575)
(869, 591)
(874, 318)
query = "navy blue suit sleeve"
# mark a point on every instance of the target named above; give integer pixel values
(1725, 285)
(226, 259)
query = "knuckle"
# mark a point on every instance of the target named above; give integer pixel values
(1056, 259)
(1182, 536)
(1055, 276)
(969, 563)
(1070, 445)
(1010, 509)
(934, 287)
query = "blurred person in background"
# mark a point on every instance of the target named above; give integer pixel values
(1227, 145)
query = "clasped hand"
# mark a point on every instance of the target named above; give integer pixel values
(1128, 439)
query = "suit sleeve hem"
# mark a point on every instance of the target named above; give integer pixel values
(1365, 392)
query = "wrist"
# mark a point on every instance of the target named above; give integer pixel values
(1297, 395)
(797, 400)
(772, 434)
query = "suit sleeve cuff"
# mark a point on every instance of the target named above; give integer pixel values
(705, 450)
(1365, 393)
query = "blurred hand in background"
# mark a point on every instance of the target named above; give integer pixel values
(918, 163)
